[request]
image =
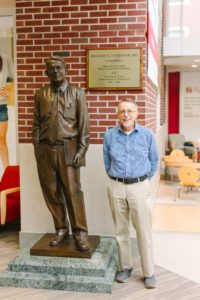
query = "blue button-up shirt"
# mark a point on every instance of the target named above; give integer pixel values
(130, 155)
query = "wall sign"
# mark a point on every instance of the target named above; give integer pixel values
(114, 69)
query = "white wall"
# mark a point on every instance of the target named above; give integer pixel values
(189, 113)
(35, 217)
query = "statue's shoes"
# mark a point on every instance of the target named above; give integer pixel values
(61, 235)
(81, 239)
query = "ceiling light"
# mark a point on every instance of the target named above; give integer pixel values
(194, 66)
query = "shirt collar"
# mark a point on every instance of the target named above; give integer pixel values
(63, 87)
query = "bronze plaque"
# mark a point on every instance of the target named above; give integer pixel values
(114, 69)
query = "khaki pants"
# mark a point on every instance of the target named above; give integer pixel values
(132, 203)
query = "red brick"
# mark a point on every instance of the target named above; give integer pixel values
(89, 21)
(52, 22)
(20, 48)
(70, 34)
(96, 141)
(136, 26)
(117, 13)
(108, 7)
(117, 40)
(89, 34)
(24, 42)
(126, 6)
(32, 36)
(41, 3)
(51, 35)
(42, 29)
(79, 40)
(60, 16)
(41, 54)
(115, 1)
(24, 55)
(80, 28)
(117, 27)
(89, 7)
(141, 19)
(42, 42)
(107, 110)
(27, 4)
(42, 16)
(19, 11)
(60, 3)
(51, 9)
(33, 23)
(60, 41)
(52, 48)
(98, 116)
(98, 129)
(97, 14)
(126, 33)
(77, 2)
(33, 10)
(60, 28)
(108, 20)
(97, 1)
(79, 15)
(70, 47)
(33, 48)
(93, 123)
(108, 33)
(98, 104)
(70, 8)
(98, 40)
(24, 29)
(92, 109)
(107, 123)
(98, 27)
(20, 23)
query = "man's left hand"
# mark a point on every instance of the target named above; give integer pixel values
(77, 159)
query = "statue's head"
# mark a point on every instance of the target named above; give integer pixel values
(56, 69)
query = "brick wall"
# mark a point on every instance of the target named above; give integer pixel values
(44, 27)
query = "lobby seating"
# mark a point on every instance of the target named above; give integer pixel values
(10, 195)
(177, 141)
(188, 177)
(176, 159)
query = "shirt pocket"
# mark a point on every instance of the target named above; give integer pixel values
(70, 113)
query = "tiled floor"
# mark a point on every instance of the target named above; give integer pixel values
(177, 231)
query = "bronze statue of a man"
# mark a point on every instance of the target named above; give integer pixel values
(61, 139)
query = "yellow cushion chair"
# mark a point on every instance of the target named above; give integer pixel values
(188, 177)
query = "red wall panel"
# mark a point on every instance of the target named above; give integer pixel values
(173, 102)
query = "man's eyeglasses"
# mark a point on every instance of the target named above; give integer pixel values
(128, 112)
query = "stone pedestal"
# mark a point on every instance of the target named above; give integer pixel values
(60, 273)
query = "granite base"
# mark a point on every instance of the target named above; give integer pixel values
(60, 273)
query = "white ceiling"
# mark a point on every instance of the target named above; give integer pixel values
(182, 62)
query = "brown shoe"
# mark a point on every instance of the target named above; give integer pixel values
(81, 239)
(61, 235)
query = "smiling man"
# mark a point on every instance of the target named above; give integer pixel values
(131, 159)
(61, 139)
